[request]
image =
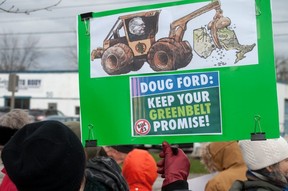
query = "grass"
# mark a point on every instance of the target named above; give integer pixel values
(196, 166)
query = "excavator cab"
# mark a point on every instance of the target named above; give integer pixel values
(140, 30)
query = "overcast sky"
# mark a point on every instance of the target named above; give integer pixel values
(56, 28)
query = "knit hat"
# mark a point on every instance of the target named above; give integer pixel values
(44, 156)
(123, 148)
(261, 154)
(140, 170)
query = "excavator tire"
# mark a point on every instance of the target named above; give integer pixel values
(186, 53)
(167, 54)
(117, 59)
(162, 56)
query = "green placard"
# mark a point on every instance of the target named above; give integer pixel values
(185, 71)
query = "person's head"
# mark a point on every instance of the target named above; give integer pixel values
(137, 26)
(10, 122)
(268, 157)
(15, 119)
(140, 170)
(44, 156)
(118, 152)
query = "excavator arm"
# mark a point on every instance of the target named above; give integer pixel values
(179, 26)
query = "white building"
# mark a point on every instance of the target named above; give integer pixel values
(282, 93)
(60, 90)
(43, 90)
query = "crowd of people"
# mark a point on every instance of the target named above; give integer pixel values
(49, 156)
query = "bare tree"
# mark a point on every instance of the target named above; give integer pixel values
(16, 55)
(71, 55)
(282, 69)
(14, 9)
(71, 52)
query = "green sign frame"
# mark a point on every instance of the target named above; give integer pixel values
(245, 96)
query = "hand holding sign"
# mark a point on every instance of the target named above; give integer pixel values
(174, 166)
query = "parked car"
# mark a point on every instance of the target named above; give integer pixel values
(4, 110)
(41, 114)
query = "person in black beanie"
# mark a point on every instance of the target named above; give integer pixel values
(45, 156)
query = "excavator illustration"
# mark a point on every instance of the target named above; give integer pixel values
(122, 54)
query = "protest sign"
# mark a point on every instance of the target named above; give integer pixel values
(184, 71)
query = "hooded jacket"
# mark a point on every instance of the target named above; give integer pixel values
(103, 174)
(140, 170)
(254, 186)
(7, 184)
(256, 182)
(226, 158)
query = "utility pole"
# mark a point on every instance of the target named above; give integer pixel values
(13, 87)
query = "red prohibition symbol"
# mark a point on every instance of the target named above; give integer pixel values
(142, 127)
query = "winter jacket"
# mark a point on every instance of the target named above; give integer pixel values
(7, 184)
(226, 158)
(254, 183)
(104, 174)
(140, 170)
(253, 186)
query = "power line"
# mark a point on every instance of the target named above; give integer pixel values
(280, 22)
(47, 47)
(284, 34)
(38, 33)
(35, 19)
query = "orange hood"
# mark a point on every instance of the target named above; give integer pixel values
(139, 170)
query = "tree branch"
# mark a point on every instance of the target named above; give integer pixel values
(14, 9)
(3, 2)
